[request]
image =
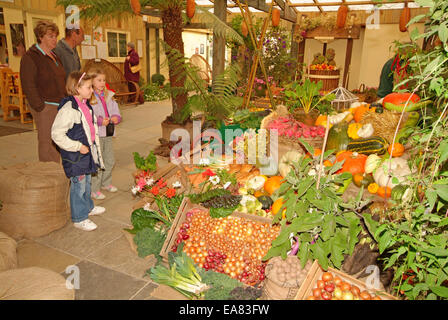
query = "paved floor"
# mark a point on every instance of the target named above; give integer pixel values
(109, 269)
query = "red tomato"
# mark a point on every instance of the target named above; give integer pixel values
(317, 293)
(326, 295)
(320, 284)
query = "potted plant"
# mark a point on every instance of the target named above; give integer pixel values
(304, 101)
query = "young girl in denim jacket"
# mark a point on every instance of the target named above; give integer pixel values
(107, 111)
(75, 131)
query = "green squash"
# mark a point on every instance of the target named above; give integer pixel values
(266, 202)
(397, 192)
(338, 137)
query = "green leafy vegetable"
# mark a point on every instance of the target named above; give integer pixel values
(220, 285)
(205, 196)
(149, 241)
(222, 212)
(147, 164)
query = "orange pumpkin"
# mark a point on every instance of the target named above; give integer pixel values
(317, 152)
(384, 192)
(398, 150)
(191, 8)
(405, 17)
(354, 162)
(275, 17)
(342, 16)
(244, 29)
(328, 163)
(135, 5)
(272, 184)
(359, 112)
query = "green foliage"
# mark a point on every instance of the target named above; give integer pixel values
(306, 95)
(220, 285)
(413, 238)
(247, 119)
(140, 219)
(205, 196)
(279, 63)
(149, 241)
(222, 212)
(326, 226)
(147, 164)
(158, 79)
(152, 92)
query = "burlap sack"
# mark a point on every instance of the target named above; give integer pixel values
(275, 288)
(34, 284)
(35, 199)
(8, 253)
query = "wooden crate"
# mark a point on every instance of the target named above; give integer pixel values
(180, 218)
(315, 273)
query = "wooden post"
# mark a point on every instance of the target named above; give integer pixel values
(348, 60)
(324, 51)
(219, 43)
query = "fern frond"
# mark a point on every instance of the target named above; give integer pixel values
(219, 27)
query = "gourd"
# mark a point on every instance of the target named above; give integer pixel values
(191, 8)
(362, 180)
(405, 16)
(359, 112)
(337, 118)
(352, 130)
(398, 150)
(275, 17)
(366, 131)
(337, 137)
(373, 161)
(244, 29)
(353, 162)
(256, 183)
(342, 16)
(272, 184)
(265, 201)
(368, 146)
(398, 192)
(136, 6)
(396, 175)
(286, 162)
(396, 101)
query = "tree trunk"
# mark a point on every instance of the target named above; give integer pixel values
(172, 34)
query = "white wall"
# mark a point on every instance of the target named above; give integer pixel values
(370, 52)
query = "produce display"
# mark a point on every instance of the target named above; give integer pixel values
(332, 287)
(232, 245)
(291, 128)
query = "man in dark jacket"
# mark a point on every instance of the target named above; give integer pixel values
(66, 50)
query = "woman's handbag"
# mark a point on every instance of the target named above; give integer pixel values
(136, 68)
(110, 129)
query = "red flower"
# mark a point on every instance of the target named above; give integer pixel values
(161, 183)
(208, 173)
(155, 190)
(170, 193)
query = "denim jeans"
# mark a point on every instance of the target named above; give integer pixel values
(81, 202)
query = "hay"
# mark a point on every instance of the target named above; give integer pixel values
(384, 124)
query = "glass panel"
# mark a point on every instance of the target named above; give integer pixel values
(330, 8)
(112, 44)
(122, 43)
(362, 7)
(332, 1)
(307, 9)
(386, 6)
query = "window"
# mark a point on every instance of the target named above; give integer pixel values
(117, 45)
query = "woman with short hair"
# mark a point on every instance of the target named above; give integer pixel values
(43, 81)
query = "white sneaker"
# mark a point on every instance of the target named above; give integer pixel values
(86, 225)
(98, 195)
(97, 210)
(110, 188)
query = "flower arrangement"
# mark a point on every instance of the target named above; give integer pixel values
(147, 186)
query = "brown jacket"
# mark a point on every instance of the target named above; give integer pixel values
(42, 79)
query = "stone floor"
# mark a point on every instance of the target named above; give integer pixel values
(109, 269)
